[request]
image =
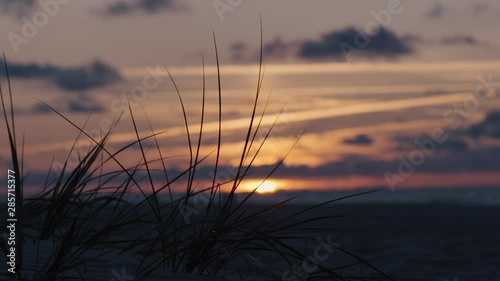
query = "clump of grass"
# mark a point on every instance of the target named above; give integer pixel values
(86, 215)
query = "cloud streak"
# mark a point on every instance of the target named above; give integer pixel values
(17, 7)
(81, 103)
(479, 9)
(292, 117)
(94, 75)
(489, 127)
(123, 7)
(459, 40)
(480, 160)
(437, 11)
(362, 139)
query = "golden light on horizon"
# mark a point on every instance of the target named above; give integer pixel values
(267, 187)
(263, 187)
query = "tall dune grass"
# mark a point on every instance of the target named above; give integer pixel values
(88, 216)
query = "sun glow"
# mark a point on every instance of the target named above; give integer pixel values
(267, 187)
(263, 187)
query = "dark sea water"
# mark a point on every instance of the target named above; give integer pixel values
(432, 235)
(425, 242)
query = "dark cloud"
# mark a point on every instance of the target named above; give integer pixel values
(40, 108)
(458, 142)
(466, 40)
(484, 160)
(238, 51)
(123, 7)
(479, 9)
(489, 127)
(460, 40)
(454, 143)
(413, 39)
(83, 104)
(359, 140)
(337, 44)
(447, 41)
(278, 48)
(16, 7)
(118, 8)
(275, 49)
(96, 74)
(440, 11)
(437, 11)
(452, 156)
(80, 103)
(480, 160)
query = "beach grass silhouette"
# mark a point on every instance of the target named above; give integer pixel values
(81, 225)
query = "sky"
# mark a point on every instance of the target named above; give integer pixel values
(392, 94)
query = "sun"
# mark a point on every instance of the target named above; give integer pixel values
(260, 186)
(267, 187)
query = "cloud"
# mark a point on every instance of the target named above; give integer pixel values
(16, 7)
(337, 44)
(460, 142)
(454, 143)
(459, 40)
(479, 9)
(80, 103)
(40, 108)
(123, 7)
(437, 11)
(275, 49)
(94, 75)
(413, 39)
(278, 48)
(489, 127)
(466, 40)
(359, 140)
(446, 41)
(238, 51)
(479, 160)
(83, 104)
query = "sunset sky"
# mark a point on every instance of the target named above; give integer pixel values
(399, 94)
